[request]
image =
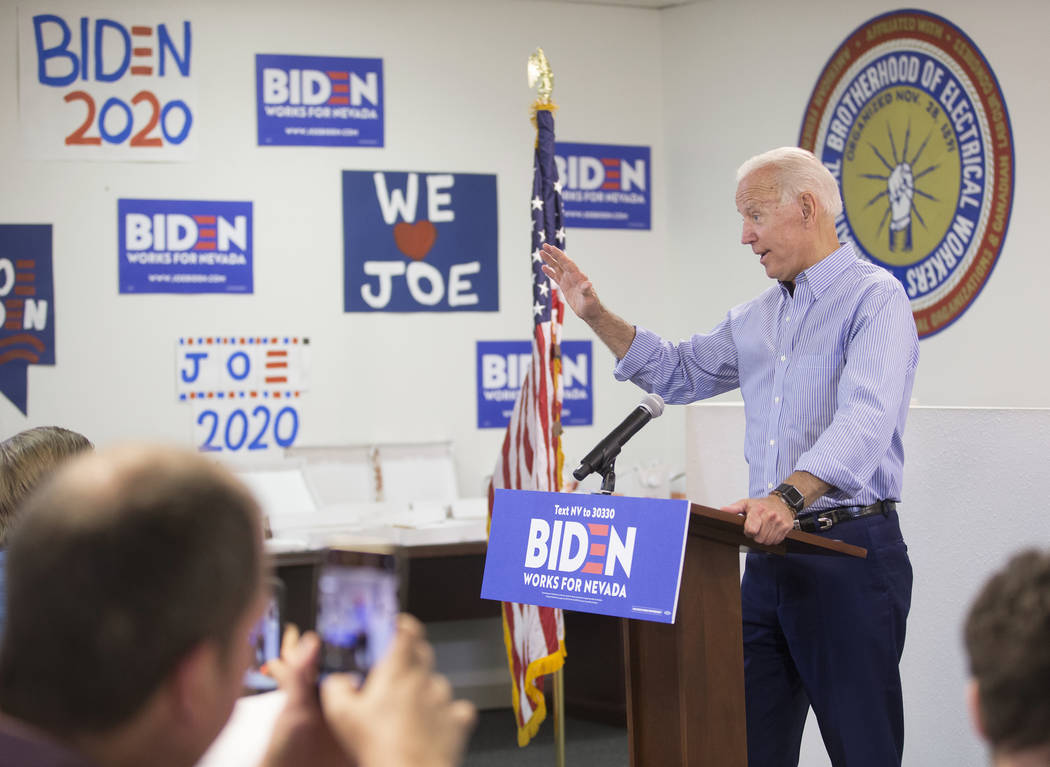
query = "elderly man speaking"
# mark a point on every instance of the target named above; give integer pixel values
(825, 360)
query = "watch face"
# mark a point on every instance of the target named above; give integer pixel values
(792, 496)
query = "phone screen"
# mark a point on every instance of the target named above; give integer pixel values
(357, 609)
(265, 640)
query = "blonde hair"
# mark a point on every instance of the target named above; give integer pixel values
(798, 171)
(26, 459)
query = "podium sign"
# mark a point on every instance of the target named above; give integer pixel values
(605, 554)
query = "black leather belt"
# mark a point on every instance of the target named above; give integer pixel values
(825, 519)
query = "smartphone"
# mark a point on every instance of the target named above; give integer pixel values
(265, 639)
(357, 607)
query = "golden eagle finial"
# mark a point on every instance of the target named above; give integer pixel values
(541, 77)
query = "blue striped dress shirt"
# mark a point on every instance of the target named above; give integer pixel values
(825, 374)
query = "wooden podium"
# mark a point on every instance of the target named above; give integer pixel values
(685, 682)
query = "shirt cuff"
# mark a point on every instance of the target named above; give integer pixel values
(643, 348)
(835, 473)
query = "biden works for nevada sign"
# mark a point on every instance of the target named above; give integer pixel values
(612, 555)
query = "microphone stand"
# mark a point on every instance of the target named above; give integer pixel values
(608, 472)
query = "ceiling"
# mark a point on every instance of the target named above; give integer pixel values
(655, 4)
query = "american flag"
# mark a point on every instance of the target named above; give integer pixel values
(531, 457)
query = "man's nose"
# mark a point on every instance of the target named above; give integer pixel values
(747, 236)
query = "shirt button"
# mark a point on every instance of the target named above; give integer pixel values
(769, 485)
(787, 319)
(783, 358)
(772, 442)
(776, 399)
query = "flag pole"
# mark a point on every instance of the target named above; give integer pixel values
(559, 717)
(542, 78)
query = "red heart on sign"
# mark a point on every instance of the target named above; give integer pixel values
(415, 240)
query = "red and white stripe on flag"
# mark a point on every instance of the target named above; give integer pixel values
(530, 460)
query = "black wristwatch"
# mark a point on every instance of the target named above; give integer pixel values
(791, 496)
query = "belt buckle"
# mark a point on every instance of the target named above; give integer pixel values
(814, 524)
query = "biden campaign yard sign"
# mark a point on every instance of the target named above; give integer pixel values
(605, 186)
(319, 101)
(501, 368)
(606, 554)
(184, 246)
(420, 242)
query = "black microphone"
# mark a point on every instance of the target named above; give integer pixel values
(651, 406)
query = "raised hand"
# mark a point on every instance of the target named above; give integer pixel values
(580, 296)
(577, 290)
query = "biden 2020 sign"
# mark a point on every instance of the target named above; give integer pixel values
(612, 555)
(112, 81)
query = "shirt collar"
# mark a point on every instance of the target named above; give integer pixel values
(822, 274)
(22, 743)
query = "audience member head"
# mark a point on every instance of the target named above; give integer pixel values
(28, 457)
(134, 577)
(1007, 636)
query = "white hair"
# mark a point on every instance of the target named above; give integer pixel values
(798, 170)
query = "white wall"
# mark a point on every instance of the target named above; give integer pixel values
(974, 493)
(456, 100)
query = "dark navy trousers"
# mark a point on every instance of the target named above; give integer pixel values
(828, 632)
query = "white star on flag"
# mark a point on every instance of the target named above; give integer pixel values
(536, 255)
(544, 289)
(537, 309)
(557, 186)
(560, 234)
(537, 203)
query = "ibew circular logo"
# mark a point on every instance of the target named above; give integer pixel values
(910, 119)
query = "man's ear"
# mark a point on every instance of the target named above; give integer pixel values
(192, 683)
(973, 702)
(808, 205)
